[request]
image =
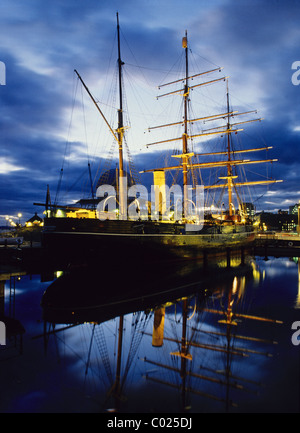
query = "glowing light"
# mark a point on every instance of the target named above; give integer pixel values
(59, 213)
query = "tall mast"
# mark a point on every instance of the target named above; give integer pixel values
(117, 384)
(229, 166)
(227, 129)
(120, 130)
(185, 134)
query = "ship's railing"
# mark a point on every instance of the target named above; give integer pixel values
(277, 236)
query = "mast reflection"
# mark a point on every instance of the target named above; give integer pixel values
(192, 330)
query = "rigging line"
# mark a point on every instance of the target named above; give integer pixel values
(167, 110)
(203, 58)
(221, 197)
(243, 174)
(132, 169)
(76, 181)
(136, 337)
(144, 110)
(102, 347)
(180, 61)
(79, 357)
(90, 350)
(254, 138)
(152, 69)
(134, 58)
(261, 196)
(87, 148)
(241, 101)
(126, 70)
(204, 91)
(258, 174)
(105, 163)
(237, 195)
(104, 166)
(112, 96)
(75, 87)
(109, 66)
(84, 124)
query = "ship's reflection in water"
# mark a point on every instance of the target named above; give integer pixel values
(174, 340)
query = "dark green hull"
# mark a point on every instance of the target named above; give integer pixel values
(134, 240)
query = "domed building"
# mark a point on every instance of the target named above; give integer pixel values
(34, 221)
(109, 177)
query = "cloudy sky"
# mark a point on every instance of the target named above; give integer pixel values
(47, 121)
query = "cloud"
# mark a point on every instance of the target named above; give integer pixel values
(7, 167)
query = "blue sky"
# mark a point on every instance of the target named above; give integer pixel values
(42, 42)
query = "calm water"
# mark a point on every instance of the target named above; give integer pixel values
(74, 368)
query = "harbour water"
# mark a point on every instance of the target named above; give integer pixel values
(198, 358)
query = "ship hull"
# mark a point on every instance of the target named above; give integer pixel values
(139, 241)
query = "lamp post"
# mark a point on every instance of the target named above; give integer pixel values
(19, 215)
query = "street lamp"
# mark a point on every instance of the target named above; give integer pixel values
(19, 215)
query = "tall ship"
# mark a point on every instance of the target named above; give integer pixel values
(177, 219)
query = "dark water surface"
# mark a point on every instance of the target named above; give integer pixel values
(202, 365)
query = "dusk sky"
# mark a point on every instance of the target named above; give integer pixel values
(42, 42)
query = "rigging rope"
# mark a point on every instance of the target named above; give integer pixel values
(137, 331)
(67, 142)
(102, 347)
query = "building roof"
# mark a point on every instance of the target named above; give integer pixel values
(35, 218)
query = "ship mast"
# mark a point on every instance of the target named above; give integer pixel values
(229, 166)
(227, 129)
(120, 132)
(122, 208)
(185, 157)
(185, 154)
